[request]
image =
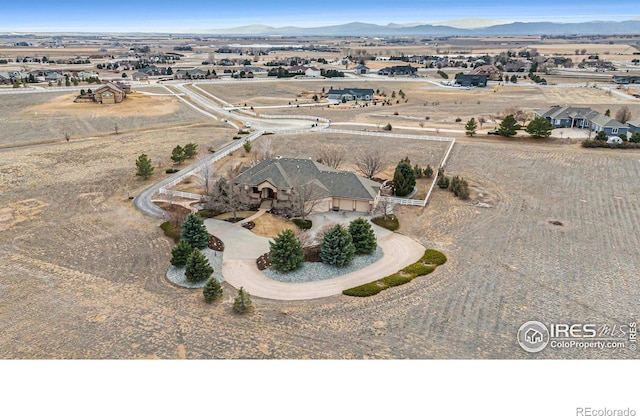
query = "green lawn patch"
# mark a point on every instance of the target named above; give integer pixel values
(391, 223)
(429, 261)
(171, 230)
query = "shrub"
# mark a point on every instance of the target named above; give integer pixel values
(433, 257)
(418, 269)
(180, 254)
(212, 290)
(396, 280)
(388, 127)
(171, 230)
(443, 181)
(302, 224)
(391, 223)
(172, 170)
(428, 171)
(365, 290)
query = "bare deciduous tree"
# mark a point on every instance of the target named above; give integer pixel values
(225, 195)
(205, 177)
(623, 114)
(304, 197)
(370, 163)
(331, 156)
(265, 150)
(481, 121)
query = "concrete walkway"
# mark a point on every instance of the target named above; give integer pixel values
(242, 248)
(258, 214)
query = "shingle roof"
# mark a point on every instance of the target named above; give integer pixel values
(353, 91)
(635, 122)
(602, 120)
(285, 173)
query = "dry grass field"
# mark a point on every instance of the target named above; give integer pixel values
(83, 271)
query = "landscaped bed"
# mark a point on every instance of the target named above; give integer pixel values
(426, 265)
(176, 275)
(316, 271)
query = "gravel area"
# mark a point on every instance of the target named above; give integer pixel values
(315, 271)
(176, 274)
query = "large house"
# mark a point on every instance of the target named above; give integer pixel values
(398, 70)
(278, 180)
(309, 71)
(351, 94)
(361, 70)
(583, 118)
(110, 93)
(194, 73)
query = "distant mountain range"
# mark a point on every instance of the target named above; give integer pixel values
(463, 28)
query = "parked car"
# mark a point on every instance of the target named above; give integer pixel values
(494, 132)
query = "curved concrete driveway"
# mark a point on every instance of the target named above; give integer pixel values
(242, 248)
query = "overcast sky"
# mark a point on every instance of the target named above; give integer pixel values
(200, 16)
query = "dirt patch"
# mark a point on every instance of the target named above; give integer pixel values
(269, 225)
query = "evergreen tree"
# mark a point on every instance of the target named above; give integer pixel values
(428, 171)
(144, 168)
(286, 252)
(178, 155)
(607, 113)
(242, 302)
(212, 290)
(471, 127)
(443, 181)
(362, 236)
(404, 179)
(539, 127)
(180, 253)
(190, 150)
(509, 126)
(198, 267)
(602, 136)
(337, 247)
(194, 232)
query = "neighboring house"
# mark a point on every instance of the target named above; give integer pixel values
(352, 94)
(5, 78)
(110, 93)
(469, 80)
(278, 180)
(491, 71)
(139, 76)
(54, 77)
(583, 118)
(85, 74)
(361, 70)
(309, 71)
(626, 79)
(189, 74)
(398, 70)
(634, 125)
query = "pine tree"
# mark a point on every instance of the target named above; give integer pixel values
(428, 171)
(212, 290)
(362, 236)
(471, 127)
(540, 127)
(198, 268)
(337, 247)
(144, 168)
(286, 252)
(178, 155)
(404, 179)
(242, 302)
(180, 253)
(509, 126)
(190, 150)
(194, 232)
